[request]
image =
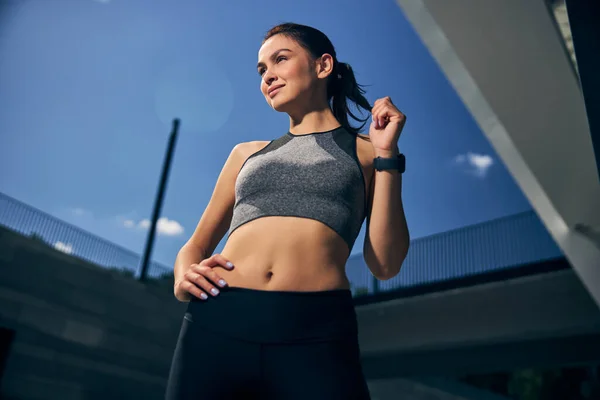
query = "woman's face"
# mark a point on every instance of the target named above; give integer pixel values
(287, 72)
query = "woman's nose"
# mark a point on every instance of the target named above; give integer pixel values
(269, 78)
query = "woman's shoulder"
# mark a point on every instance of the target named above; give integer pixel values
(246, 149)
(254, 145)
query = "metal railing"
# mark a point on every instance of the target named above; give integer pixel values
(503, 243)
(30, 221)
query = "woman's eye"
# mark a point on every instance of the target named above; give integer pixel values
(277, 61)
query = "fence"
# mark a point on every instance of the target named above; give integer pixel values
(70, 239)
(508, 242)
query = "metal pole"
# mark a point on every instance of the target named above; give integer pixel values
(158, 201)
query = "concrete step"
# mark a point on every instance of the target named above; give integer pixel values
(82, 331)
(131, 302)
(117, 350)
(77, 332)
(118, 355)
(72, 272)
(16, 247)
(38, 305)
(35, 374)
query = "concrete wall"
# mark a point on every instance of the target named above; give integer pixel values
(535, 321)
(534, 307)
(81, 332)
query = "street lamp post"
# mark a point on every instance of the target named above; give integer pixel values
(158, 201)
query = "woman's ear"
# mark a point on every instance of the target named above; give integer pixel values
(325, 65)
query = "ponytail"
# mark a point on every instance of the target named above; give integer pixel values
(343, 87)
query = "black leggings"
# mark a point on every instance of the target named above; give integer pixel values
(257, 344)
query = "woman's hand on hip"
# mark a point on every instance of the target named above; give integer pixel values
(201, 279)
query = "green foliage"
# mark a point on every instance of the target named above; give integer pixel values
(525, 384)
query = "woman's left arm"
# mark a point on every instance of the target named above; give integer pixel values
(387, 238)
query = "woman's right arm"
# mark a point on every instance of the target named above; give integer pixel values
(211, 228)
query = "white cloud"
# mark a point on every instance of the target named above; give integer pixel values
(79, 211)
(164, 226)
(460, 158)
(144, 224)
(476, 164)
(66, 248)
(102, 1)
(169, 227)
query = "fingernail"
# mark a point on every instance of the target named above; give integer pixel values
(229, 264)
(222, 282)
(214, 291)
(203, 296)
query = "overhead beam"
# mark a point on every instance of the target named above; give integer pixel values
(508, 64)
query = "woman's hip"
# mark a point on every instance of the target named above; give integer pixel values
(267, 316)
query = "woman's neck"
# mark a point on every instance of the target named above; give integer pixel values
(319, 120)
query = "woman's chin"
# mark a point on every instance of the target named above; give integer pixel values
(280, 106)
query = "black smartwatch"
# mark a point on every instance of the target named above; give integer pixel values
(398, 163)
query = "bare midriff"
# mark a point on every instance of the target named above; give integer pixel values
(286, 254)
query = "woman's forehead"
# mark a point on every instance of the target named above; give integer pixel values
(275, 43)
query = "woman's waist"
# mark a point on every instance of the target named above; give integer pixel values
(273, 261)
(272, 273)
(272, 316)
(277, 238)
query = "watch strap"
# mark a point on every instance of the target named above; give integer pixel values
(398, 163)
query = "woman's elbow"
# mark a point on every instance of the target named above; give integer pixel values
(388, 269)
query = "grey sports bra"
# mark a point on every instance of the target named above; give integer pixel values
(315, 175)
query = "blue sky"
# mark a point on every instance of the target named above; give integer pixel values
(88, 89)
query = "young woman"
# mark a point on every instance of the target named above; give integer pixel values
(272, 316)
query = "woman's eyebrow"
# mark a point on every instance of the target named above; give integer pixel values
(273, 56)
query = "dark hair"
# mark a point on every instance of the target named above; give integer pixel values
(342, 85)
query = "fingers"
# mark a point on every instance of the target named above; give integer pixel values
(380, 112)
(217, 260)
(386, 99)
(384, 111)
(205, 279)
(188, 287)
(381, 115)
(201, 280)
(208, 273)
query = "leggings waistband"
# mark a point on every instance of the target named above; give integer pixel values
(268, 316)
